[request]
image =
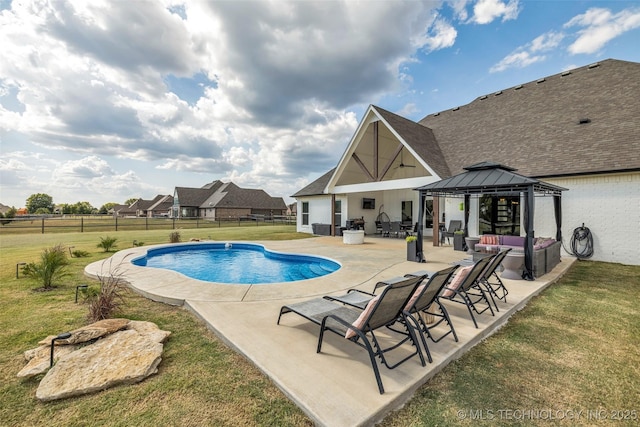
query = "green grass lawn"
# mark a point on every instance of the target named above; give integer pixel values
(573, 348)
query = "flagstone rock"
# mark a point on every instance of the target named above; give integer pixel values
(150, 330)
(39, 359)
(125, 357)
(90, 332)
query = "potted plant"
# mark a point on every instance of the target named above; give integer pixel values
(412, 254)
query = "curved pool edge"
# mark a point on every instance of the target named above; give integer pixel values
(326, 264)
(173, 288)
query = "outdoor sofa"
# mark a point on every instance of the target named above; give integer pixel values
(546, 251)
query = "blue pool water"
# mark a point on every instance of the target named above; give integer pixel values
(239, 263)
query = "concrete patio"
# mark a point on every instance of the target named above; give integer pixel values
(336, 387)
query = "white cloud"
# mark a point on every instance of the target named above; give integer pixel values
(516, 60)
(441, 34)
(546, 42)
(460, 8)
(486, 11)
(600, 26)
(530, 53)
(92, 77)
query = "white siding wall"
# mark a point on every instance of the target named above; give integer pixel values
(319, 212)
(453, 212)
(609, 205)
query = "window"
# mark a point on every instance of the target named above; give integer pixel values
(499, 215)
(428, 213)
(305, 213)
(407, 212)
(337, 216)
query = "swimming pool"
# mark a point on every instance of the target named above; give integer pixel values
(236, 263)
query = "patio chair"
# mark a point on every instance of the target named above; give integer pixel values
(466, 288)
(360, 326)
(412, 231)
(396, 228)
(378, 227)
(386, 228)
(454, 225)
(492, 283)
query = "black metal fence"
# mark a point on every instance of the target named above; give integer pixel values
(87, 223)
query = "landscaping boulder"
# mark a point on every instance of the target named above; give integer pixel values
(92, 359)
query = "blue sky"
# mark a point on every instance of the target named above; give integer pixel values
(107, 100)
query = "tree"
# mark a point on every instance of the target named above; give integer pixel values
(41, 201)
(82, 208)
(65, 208)
(131, 201)
(11, 213)
(104, 209)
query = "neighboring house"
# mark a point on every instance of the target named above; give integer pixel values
(159, 206)
(292, 209)
(4, 209)
(123, 211)
(218, 200)
(578, 129)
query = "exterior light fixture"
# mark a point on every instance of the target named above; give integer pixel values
(62, 336)
(18, 268)
(78, 288)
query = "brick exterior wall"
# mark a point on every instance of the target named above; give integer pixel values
(609, 205)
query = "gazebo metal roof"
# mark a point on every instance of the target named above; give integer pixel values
(494, 178)
(489, 178)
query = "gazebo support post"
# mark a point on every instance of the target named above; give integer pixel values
(527, 274)
(419, 245)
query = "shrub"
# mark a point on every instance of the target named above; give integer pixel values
(80, 254)
(107, 243)
(106, 301)
(51, 268)
(174, 237)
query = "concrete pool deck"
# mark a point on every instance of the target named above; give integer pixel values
(336, 387)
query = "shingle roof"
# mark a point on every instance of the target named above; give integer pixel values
(161, 203)
(581, 121)
(535, 127)
(316, 187)
(228, 195)
(193, 197)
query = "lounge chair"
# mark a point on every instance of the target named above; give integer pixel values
(423, 300)
(358, 326)
(454, 225)
(492, 283)
(466, 288)
(427, 301)
(359, 299)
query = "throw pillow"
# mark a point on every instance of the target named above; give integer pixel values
(456, 281)
(415, 295)
(360, 321)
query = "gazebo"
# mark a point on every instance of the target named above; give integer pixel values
(488, 178)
